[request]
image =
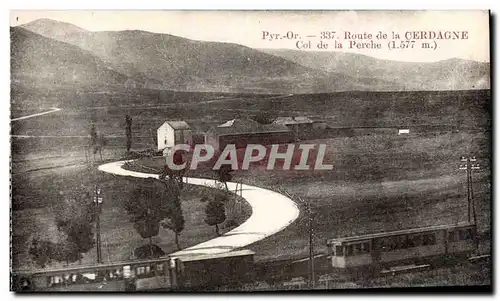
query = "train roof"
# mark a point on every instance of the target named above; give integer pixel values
(104, 266)
(91, 267)
(197, 257)
(399, 232)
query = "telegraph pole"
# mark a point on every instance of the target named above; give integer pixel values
(465, 166)
(473, 166)
(311, 244)
(98, 201)
(469, 164)
(311, 236)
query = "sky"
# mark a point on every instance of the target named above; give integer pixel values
(248, 27)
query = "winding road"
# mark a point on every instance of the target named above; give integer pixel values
(52, 110)
(271, 213)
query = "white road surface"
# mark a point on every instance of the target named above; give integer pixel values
(37, 114)
(271, 213)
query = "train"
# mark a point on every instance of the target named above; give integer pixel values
(382, 250)
(351, 258)
(365, 256)
(191, 272)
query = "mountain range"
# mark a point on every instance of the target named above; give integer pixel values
(450, 74)
(51, 52)
(41, 61)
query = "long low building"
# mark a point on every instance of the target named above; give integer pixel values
(242, 131)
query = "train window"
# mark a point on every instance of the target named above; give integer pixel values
(357, 249)
(415, 241)
(366, 247)
(461, 235)
(126, 271)
(339, 251)
(349, 250)
(465, 234)
(387, 244)
(470, 234)
(429, 239)
(330, 250)
(140, 270)
(432, 238)
(452, 237)
(401, 242)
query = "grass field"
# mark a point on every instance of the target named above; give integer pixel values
(380, 181)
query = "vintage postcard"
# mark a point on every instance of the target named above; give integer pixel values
(250, 151)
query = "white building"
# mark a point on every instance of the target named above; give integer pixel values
(171, 133)
(403, 131)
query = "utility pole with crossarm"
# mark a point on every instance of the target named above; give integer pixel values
(469, 164)
(98, 202)
(311, 243)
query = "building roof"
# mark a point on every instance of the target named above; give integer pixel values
(240, 123)
(247, 126)
(399, 232)
(293, 120)
(303, 119)
(227, 123)
(285, 120)
(177, 124)
(317, 119)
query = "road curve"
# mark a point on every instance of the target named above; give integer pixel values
(52, 110)
(271, 213)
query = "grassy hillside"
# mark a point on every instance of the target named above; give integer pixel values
(37, 60)
(171, 62)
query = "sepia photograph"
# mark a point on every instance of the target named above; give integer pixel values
(250, 151)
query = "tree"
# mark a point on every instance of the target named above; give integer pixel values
(97, 142)
(93, 135)
(128, 131)
(74, 217)
(175, 220)
(144, 252)
(154, 137)
(101, 143)
(173, 184)
(42, 252)
(215, 210)
(224, 174)
(146, 208)
(67, 252)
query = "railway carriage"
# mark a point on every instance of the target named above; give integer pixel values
(184, 272)
(404, 246)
